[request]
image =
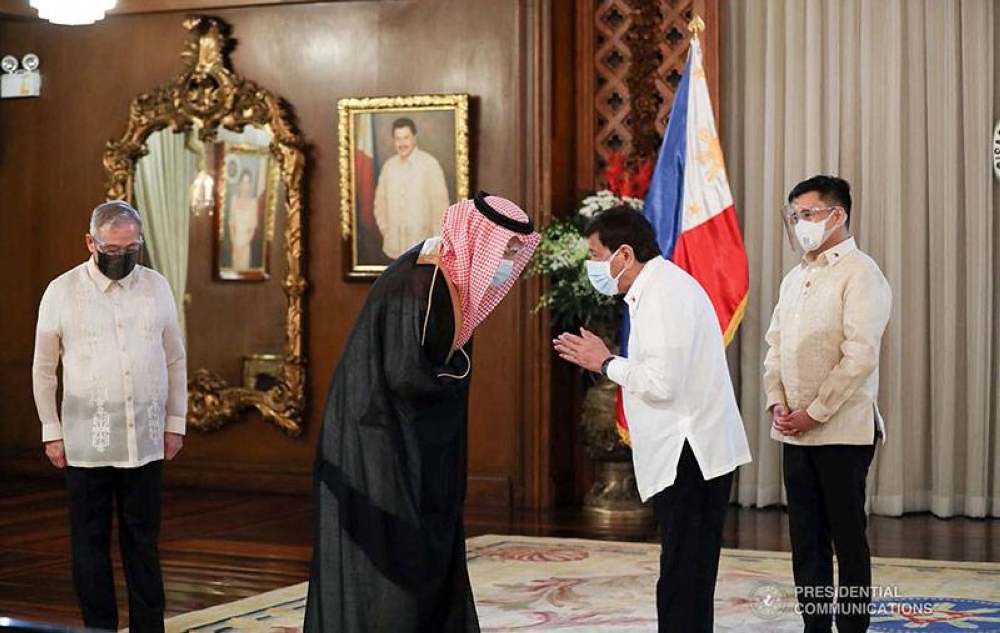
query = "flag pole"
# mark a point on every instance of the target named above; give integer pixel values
(696, 26)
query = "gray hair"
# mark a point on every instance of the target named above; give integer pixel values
(113, 213)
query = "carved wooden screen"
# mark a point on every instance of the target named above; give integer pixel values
(631, 55)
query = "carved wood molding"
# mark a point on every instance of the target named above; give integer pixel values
(658, 43)
(632, 55)
(207, 95)
(611, 65)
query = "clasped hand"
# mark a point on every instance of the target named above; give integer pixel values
(586, 350)
(791, 423)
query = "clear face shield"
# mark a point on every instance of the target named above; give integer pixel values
(806, 228)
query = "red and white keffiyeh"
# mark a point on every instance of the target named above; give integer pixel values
(471, 249)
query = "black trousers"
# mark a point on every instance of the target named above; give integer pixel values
(136, 492)
(826, 512)
(691, 513)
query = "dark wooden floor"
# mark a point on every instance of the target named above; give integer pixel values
(220, 547)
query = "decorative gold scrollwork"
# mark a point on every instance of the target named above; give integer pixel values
(207, 95)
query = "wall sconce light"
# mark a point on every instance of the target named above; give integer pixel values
(21, 80)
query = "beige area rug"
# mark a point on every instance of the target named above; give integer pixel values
(525, 583)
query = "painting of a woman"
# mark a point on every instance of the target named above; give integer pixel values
(244, 220)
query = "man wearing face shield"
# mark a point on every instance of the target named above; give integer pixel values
(821, 381)
(389, 486)
(113, 324)
(686, 430)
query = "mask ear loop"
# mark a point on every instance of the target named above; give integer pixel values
(468, 368)
(843, 211)
(619, 275)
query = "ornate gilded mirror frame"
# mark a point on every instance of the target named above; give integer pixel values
(208, 94)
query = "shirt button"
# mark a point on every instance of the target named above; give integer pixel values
(127, 372)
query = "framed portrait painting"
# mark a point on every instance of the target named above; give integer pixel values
(246, 200)
(403, 162)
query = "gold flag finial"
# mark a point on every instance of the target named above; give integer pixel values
(696, 26)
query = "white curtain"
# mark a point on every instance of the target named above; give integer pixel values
(898, 97)
(162, 193)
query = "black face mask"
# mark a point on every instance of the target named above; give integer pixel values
(116, 267)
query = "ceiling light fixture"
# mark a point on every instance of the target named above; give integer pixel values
(72, 12)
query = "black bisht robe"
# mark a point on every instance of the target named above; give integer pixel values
(391, 467)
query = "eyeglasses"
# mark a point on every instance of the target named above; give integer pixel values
(793, 213)
(113, 250)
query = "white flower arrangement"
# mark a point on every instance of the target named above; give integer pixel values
(561, 257)
(604, 200)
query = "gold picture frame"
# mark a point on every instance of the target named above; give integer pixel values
(206, 96)
(378, 135)
(236, 162)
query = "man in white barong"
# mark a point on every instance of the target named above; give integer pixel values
(113, 325)
(411, 195)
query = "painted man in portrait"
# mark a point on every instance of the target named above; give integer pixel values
(411, 195)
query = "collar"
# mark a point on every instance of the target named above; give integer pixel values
(833, 255)
(412, 158)
(103, 283)
(645, 275)
(430, 251)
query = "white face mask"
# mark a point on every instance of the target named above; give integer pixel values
(600, 277)
(812, 235)
(503, 273)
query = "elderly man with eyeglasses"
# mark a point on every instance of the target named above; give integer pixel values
(113, 324)
(821, 379)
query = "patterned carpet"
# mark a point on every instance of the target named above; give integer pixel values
(524, 584)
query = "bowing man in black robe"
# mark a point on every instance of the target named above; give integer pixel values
(391, 464)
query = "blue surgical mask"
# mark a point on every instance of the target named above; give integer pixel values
(503, 273)
(600, 276)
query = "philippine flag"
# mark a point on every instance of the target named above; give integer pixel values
(364, 170)
(691, 207)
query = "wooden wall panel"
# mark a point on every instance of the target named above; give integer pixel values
(310, 54)
(20, 8)
(609, 119)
